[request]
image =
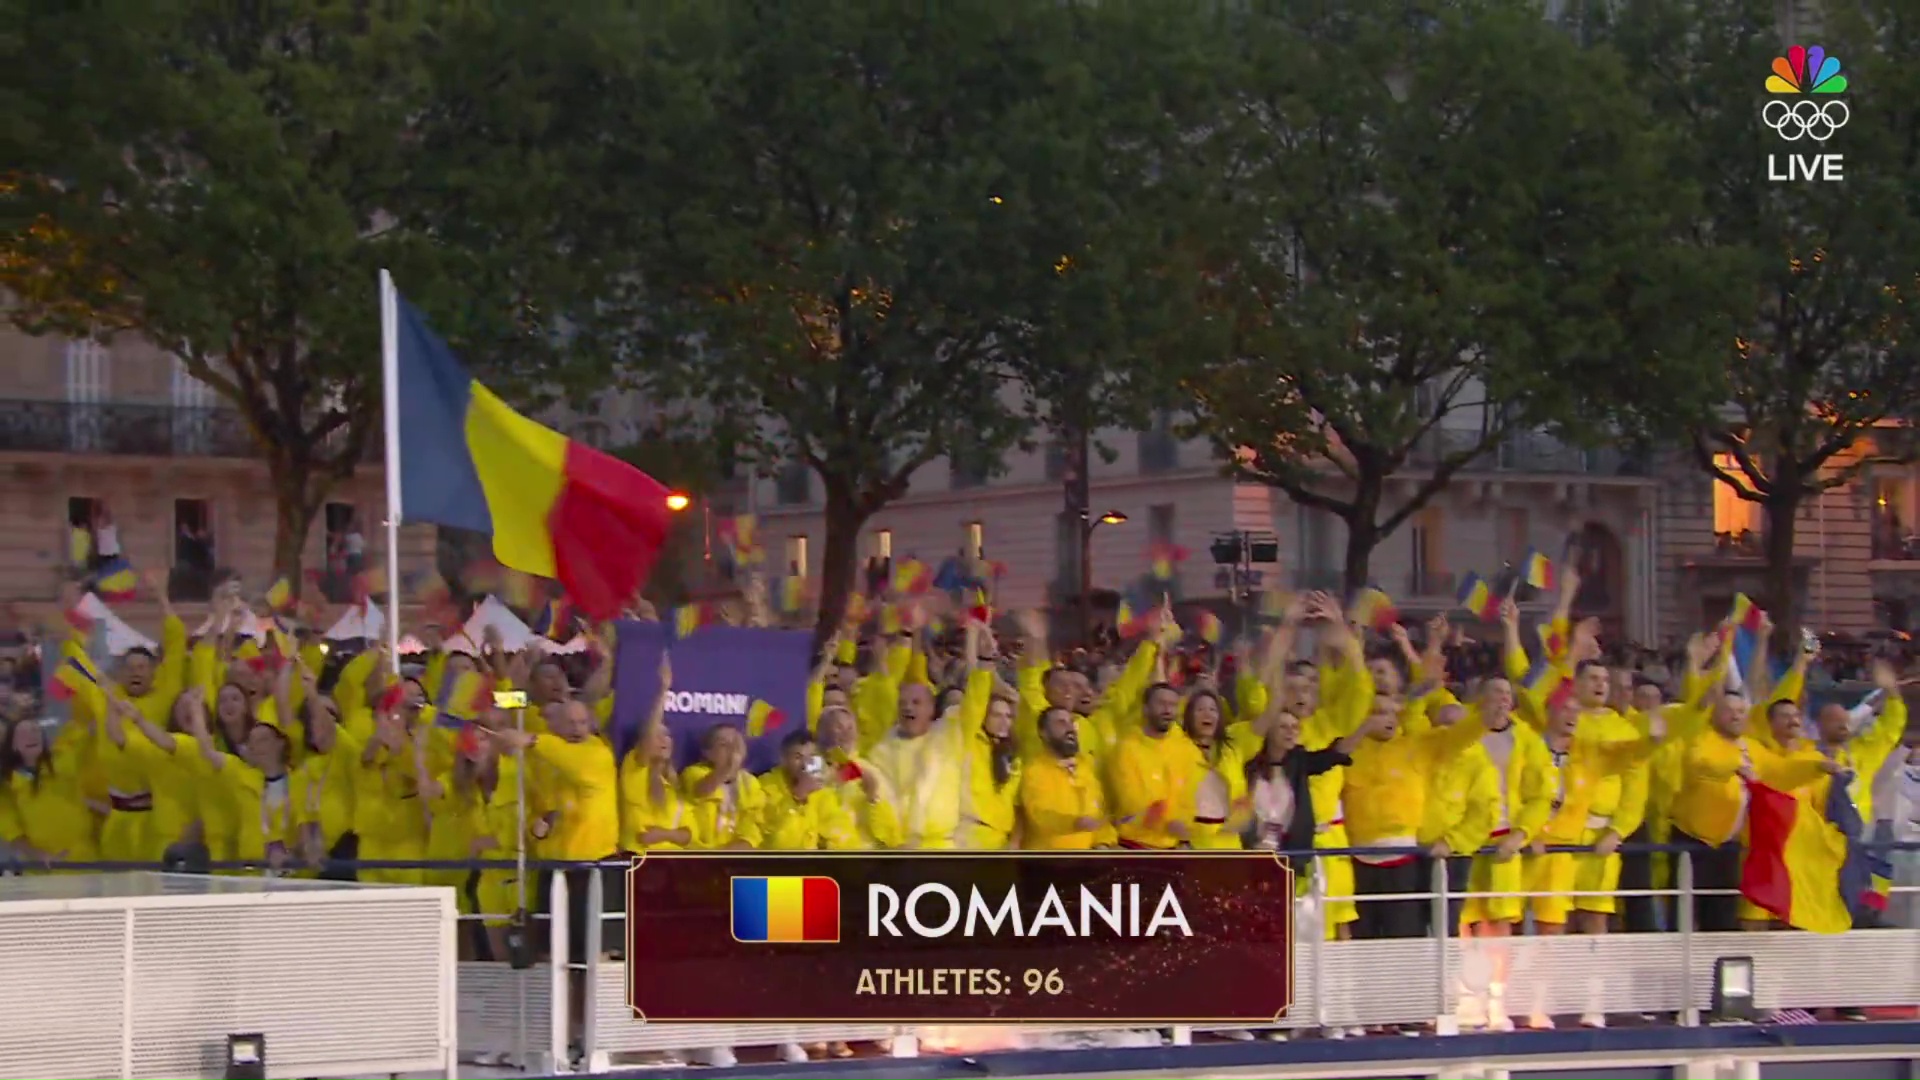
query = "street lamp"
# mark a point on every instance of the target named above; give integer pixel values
(1088, 524)
(678, 501)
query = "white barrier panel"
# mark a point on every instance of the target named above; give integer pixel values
(145, 975)
(1398, 982)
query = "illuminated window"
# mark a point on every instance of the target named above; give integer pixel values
(797, 556)
(1731, 513)
(976, 539)
(883, 543)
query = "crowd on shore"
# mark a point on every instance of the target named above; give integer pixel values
(1523, 766)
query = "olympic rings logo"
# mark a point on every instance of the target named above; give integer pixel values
(1816, 120)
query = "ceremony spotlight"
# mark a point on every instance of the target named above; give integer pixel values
(1733, 989)
(246, 1057)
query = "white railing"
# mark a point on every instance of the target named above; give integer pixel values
(146, 975)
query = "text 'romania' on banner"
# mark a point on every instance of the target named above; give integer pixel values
(961, 937)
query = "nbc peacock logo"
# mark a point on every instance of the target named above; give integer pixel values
(1803, 104)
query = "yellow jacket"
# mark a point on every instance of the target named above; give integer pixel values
(1711, 804)
(920, 783)
(987, 809)
(1463, 803)
(791, 824)
(1055, 795)
(1153, 781)
(876, 697)
(638, 811)
(718, 822)
(1389, 783)
(1115, 715)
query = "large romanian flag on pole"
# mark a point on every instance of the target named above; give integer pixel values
(555, 508)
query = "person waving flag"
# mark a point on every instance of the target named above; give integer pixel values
(556, 508)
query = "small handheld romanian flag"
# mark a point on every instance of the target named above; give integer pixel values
(763, 718)
(1477, 596)
(467, 697)
(280, 596)
(1746, 615)
(1374, 610)
(911, 577)
(1208, 626)
(71, 676)
(116, 579)
(1166, 560)
(1538, 570)
(690, 618)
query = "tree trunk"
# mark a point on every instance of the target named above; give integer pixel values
(295, 507)
(1362, 536)
(1782, 597)
(839, 557)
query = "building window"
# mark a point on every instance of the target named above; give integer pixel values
(193, 551)
(1160, 525)
(1425, 538)
(793, 486)
(1056, 459)
(1733, 516)
(967, 470)
(83, 547)
(87, 386)
(346, 551)
(1515, 533)
(976, 540)
(1159, 448)
(883, 543)
(796, 556)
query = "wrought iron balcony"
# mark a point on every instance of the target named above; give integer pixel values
(1528, 452)
(1890, 540)
(65, 427)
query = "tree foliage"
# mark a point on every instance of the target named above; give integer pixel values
(832, 236)
(1823, 374)
(226, 181)
(1432, 233)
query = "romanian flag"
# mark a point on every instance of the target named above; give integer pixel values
(116, 579)
(911, 577)
(1553, 640)
(890, 620)
(689, 618)
(1209, 627)
(71, 676)
(763, 718)
(1746, 615)
(1538, 571)
(553, 620)
(555, 508)
(1374, 610)
(79, 546)
(1801, 863)
(741, 536)
(1128, 620)
(982, 609)
(1166, 560)
(280, 598)
(1477, 596)
(465, 698)
(856, 609)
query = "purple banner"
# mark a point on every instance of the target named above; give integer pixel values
(752, 679)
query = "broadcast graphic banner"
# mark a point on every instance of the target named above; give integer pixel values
(960, 937)
(751, 678)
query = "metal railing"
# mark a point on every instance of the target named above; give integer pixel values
(132, 430)
(1530, 452)
(521, 1013)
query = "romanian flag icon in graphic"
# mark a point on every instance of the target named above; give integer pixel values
(1477, 597)
(1539, 570)
(786, 909)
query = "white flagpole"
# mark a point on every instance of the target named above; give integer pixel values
(390, 396)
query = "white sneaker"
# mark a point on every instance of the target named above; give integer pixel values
(1500, 1022)
(1540, 1022)
(1276, 1035)
(1593, 1019)
(1334, 1033)
(1237, 1035)
(1470, 1012)
(1357, 1032)
(793, 1053)
(719, 1057)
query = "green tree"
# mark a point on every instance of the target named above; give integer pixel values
(226, 182)
(1823, 375)
(1435, 231)
(822, 251)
